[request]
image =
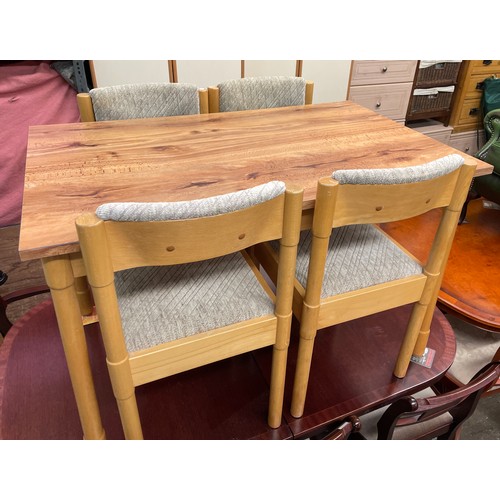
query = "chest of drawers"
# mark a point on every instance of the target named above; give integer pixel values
(432, 128)
(466, 114)
(382, 86)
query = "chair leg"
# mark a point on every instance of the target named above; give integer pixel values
(425, 327)
(5, 324)
(277, 389)
(124, 391)
(410, 339)
(471, 195)
(463, 213)
(302, 370)
(129, 416)
(308, 329)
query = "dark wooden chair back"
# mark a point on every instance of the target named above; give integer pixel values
(440, 416)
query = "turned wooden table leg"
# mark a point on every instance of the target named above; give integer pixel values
(84, 296)
(59, 277)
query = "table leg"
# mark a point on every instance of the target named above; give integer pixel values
(60, 279)
(84, 296)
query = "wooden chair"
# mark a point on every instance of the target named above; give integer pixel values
(141, 100)
(346, 430)
(259, 93)
(14, 296)
(9, 298)
(428, 414)
(175, 289)
(487, 186)
(474, 350)
(357, 270)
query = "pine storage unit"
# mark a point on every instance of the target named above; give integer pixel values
(466, 114)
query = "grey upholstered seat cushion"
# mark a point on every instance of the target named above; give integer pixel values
(261, 92)
(370, 420)
(358, 256)
(403, 175)
(160, 304)
(144, 100)
(164, 303)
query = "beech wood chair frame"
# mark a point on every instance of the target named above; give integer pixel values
(340, 205)
(109, 246)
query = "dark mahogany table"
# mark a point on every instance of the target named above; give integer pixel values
(351, 373)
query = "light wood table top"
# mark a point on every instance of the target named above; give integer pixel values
(73, 168)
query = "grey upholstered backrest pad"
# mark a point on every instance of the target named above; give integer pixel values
(404, 175)
(144, 100)
(261, 92)
(179, 210)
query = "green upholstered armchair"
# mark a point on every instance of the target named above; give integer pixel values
(488, 186)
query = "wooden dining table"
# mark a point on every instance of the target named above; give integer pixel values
(74, 168)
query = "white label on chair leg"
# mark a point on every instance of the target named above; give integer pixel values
(426, 359)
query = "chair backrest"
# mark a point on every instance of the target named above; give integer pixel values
(385, 195)
(142, 100)
(259, 93)
(490, 152)
(197, 230)
(438, 416)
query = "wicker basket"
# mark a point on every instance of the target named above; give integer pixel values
(433, 102)
(439, 74)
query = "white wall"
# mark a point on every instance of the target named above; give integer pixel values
(207, 73)
(109, 73)
(331, 78)
(270, 68)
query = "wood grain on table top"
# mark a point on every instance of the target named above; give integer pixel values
(74, 168)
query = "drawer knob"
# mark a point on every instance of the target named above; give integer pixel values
(473, 111)
(384, 69)
(467, 149)
(378, 104)
(487, 63)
